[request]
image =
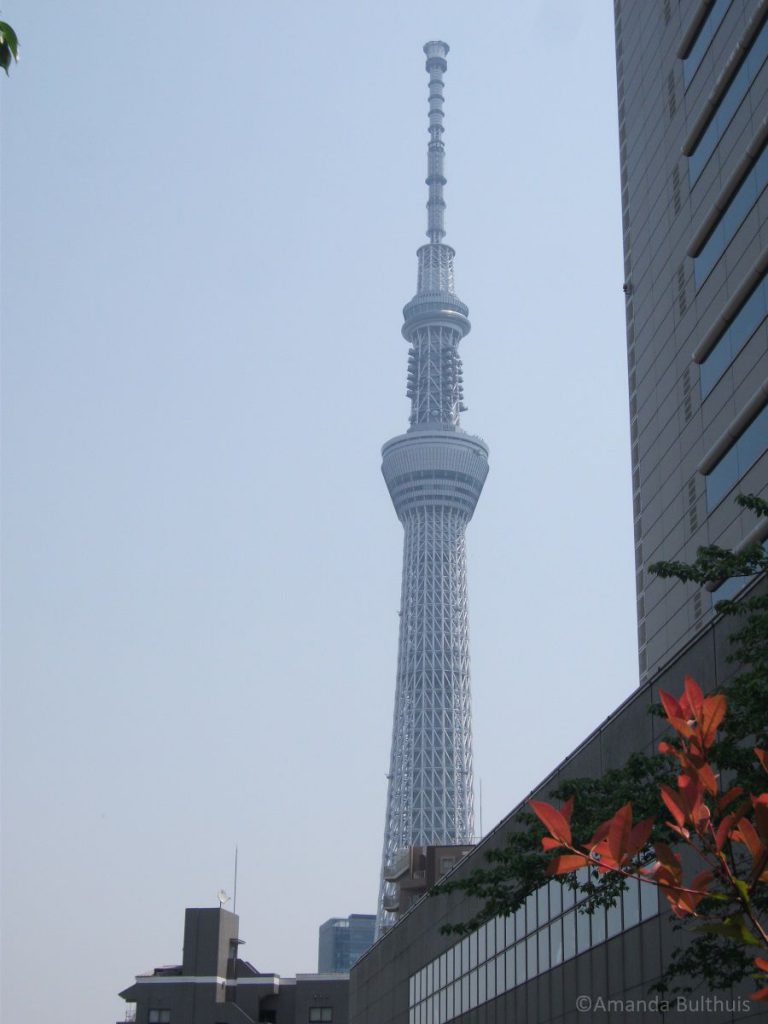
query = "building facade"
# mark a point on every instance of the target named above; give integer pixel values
(212, 985)
(693, 99)
(435, 473)
(343, 940)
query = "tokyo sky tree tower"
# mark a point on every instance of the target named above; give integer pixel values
(435, 473)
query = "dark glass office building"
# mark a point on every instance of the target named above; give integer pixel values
(693, 100)
(343, 940)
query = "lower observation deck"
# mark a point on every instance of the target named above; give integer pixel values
(435, 467)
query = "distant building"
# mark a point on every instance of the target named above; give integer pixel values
(416, 871)
(343, 940)
(213, 985)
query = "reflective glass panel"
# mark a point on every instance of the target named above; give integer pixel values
(582, 932)
(481, 986)
(569, 935)
(481, 944)
(510, 967)
(473, 990)
(520, 968)
(614, 919)
(649, 901)
(490, 938)
(747, 448)
(555, 898)
(542, 904)
(569, 896)
(449, 1002)
(532, 947)
(598, 926)
(543, 949)
(732, 341)
(520, 922)
(731, 219)
(556, 942)
(473, 950)
(491, 974)
(501, 982)
(631, 902)
(704, 37)
(530, 912)
(500, 933)
(729, 103)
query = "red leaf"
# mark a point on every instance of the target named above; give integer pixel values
(639, 836)
(729, 797)
(761, 817)
(554, 820)
(762, 757)
(566, 863)
(694, 697)
(760, 996)
(713, 712)
(619, 829)
(551, 844)
(724, 830)
(745, 833)
(671, 707)
(762, 963)
(675, 805)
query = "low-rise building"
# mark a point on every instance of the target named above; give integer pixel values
(213, 985)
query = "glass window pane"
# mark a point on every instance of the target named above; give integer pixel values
(501, 982)
(481, 944)
(473, 990)
(649, 900)
(569, 897)
(531, 955)
(411, 990)
(465, 954)
(490, 939)
(530, 912)
(556, 942)
(481, 986)
(491, 979)
(614, 920)
(465, 993)
(582, 932)
(631, 900)
(555, 898)
(501, 939)
(509, 964)
(542, 904)
(598, 926)
(520, 922)
(569, 934)
(449, 1011)
(543, 949)
(521, 973)
(443, 1003)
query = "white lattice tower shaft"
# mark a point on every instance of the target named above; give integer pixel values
(435, 474)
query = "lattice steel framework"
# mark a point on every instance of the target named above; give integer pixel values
(435, 473)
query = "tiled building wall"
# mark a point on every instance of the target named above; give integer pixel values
(673, 300)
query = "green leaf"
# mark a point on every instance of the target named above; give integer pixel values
(9, 46)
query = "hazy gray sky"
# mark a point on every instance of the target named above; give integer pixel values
(211, 214)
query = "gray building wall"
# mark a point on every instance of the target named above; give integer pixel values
(672, 307)
(620, 967)
(214, 986)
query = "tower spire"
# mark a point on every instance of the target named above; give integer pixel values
(435, 473)
(436, 52)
